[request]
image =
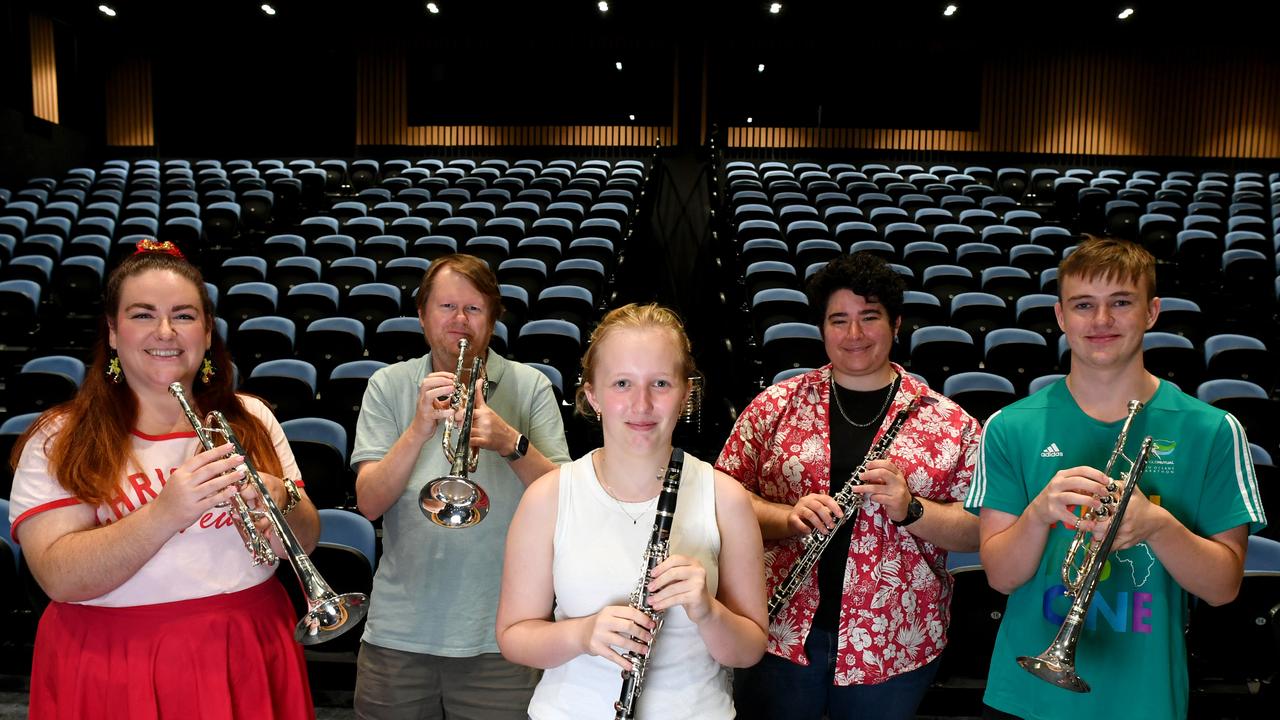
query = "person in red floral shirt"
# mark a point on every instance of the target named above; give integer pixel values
(862, 636)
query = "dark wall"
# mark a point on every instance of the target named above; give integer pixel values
(29, 146)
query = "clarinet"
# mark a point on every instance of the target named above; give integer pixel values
(654, 554)
(849, 501)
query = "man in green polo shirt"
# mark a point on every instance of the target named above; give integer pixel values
(1184, 532)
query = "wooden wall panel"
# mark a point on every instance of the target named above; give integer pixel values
(130, 117)
(44, 70)
(382, 118)
(1089, 104)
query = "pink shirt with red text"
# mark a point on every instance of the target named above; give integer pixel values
(208, 558)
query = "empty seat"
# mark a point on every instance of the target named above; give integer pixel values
(790, 345)
(981, 394)
(261, 339)
(938, 352)
(397, 339)
(1017, 354)
(329, 342)
(1172, 357)
(44, 382)
(1239, 357)
(288, 386)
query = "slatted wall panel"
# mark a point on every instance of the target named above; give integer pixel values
(382, 118)
(44, 70)
(130, 120)
(1090, 105)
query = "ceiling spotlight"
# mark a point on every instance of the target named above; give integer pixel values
(748, 121)
(107, 10)
(604, 6)
(266, 8)
(433, 8)
(950, 10)
(1125, 14)
(760, 67)
(632, 118)
(775, 8)
(618, 64)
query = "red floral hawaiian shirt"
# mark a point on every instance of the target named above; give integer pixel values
(897, 590)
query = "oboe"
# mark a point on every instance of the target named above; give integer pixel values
(849, 501)
(654, 553)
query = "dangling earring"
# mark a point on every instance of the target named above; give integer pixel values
(206, 369)
(597, 414)
(114, 373)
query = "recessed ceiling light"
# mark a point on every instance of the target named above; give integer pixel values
(775, 8)
(604, 6)
(760, 67)
(107, 10)
(433, 8)
(266, 8)
(950, 10)
(618, 64)
(631, 118)
(748, 121)
(1125, 14)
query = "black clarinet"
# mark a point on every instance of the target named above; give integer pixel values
(654, 553)
(815, 543)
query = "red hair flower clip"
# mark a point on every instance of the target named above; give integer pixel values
(149, 245)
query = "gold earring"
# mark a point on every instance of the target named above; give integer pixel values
(206, 370)
(114, 373)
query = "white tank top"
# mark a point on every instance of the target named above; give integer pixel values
(598, 562)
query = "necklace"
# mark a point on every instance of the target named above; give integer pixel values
(888, 396)
(635, 519)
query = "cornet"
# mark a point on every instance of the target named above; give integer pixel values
(1057, 664)
(328, 613)
(454, 500)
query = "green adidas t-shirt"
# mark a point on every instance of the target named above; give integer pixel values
(1132, 651)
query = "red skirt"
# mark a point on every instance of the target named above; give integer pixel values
(213, 658)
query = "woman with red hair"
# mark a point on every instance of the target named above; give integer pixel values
(157, 608)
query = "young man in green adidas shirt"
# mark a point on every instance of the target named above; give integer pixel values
(1184, 532)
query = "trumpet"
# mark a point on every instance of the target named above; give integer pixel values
(328, 613)
(1057, 664)
(460, 395)
(454, 500)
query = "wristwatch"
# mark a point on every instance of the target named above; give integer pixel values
(522, 447)
(914, 512)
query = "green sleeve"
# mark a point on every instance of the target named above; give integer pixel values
(1230, 495)
(376, 427)
(997, 484)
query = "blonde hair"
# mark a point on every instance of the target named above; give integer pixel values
(634, 317)
(1110, 259)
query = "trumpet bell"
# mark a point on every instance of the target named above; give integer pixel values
(1054, 670)
(453, 501)
(330, 618)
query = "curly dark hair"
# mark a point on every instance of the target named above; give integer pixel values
(862, 273)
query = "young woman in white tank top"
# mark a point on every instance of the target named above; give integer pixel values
(575, 548)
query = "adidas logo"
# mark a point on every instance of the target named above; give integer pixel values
(1051, 451)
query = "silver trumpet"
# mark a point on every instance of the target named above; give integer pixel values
(460, 395)
(328, 613)
(1057, 664)
(454, 500)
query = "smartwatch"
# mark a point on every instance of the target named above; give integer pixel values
(914, 512)
(522, 447)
